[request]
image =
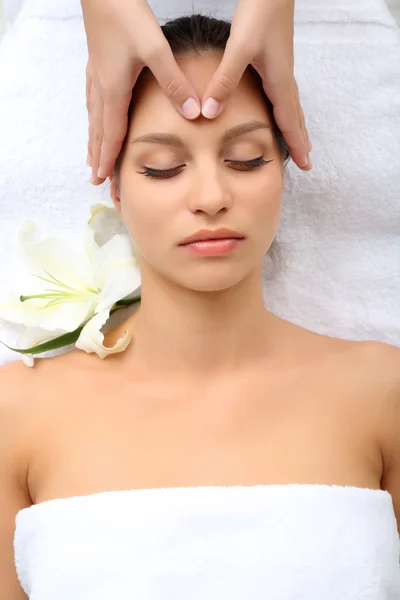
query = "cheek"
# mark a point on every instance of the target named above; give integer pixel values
(145, 214)
(264, 195)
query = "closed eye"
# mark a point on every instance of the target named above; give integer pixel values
(249, 164)
(160, 173)
(239, 165)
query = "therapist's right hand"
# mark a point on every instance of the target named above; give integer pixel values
(123, 36)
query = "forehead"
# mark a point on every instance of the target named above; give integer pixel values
(153, 112)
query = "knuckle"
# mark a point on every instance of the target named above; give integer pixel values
(226, 82)
(112, 94)
(113, 141)
(173, 86)
(104, 85)
(108, 92)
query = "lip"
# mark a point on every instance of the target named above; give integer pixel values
(208, 234)
(215, 247)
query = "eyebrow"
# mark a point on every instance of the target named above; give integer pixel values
(174, 140)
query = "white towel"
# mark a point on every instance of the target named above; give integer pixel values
(290, 542)
(340, 230)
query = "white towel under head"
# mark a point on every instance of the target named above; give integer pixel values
(306, 11)
(340, 228)
(273, 542)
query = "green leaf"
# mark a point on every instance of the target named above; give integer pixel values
(59, 342)
(128, 301)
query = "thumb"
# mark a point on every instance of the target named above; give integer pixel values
(224, 82)
(174, 83)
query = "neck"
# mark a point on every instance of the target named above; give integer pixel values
(188, 333)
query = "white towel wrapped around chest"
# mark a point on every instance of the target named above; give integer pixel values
(273, 542)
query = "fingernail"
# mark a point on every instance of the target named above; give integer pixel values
(101, 173)
(210, 108)
(310, 165)
(310, 146)
(88, 160)
(191, 108)
(93, 179)
(304, 162)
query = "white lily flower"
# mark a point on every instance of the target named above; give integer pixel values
(73, 284)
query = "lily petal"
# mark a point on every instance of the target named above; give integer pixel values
(61, 318)
(67, 316)
(105, 222)
(63, 258)
(91, 338)
(115, 271)
(27, 360)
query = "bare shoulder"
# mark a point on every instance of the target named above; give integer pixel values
(16, 391)
(26, 394)
(373, 368)
(378, 368)
(23, 420)
(370, 371)
(14, 383)
(31, 398)
(382, 374)
(14, 456)
(380, 362)
(365, 362)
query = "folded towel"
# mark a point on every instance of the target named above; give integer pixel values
(273, 542)
(163, 9)
(340, 227)
(339, 267)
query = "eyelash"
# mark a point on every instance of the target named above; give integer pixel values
(166, 173)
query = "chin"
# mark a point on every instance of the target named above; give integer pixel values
(212, 283)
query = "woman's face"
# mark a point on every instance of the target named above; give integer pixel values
(214, 178)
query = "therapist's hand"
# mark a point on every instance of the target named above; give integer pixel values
(124, 36)
(262, 35)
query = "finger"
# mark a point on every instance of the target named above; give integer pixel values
(115, 126)
(89, 160)
(292, 132)
(88, 97)
(224, 81)
(305, 133)
(96, 104)
(303, 125)
(306, 136)
(301, 115)
(89, 80)
(307, 145)
(173, 81)
(287, 113)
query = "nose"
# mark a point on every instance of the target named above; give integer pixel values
(211, 194)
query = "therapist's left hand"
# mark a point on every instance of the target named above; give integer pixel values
(262, 35)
